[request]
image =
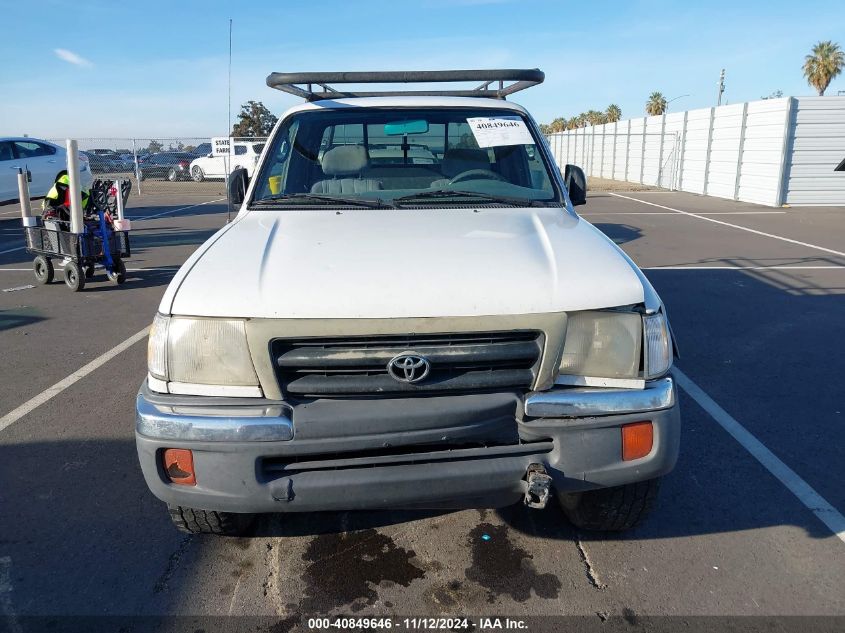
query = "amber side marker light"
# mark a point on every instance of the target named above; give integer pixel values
(637, 440)
(179, 465)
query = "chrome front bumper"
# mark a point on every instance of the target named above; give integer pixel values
(245, 420)
(585, 402)
(237, 422)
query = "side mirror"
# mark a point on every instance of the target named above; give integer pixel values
(576, 184)
(238, 181)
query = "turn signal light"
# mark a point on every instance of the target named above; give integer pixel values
(637, 440)
(179, 465)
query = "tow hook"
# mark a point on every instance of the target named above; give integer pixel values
(539, 482)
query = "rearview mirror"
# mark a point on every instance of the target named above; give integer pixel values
(400, 128)
(576, 184)
(238, 181)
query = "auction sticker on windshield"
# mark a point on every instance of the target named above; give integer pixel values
(502, 130)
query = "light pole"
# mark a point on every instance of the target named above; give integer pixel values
(721, 87)
(673, 99)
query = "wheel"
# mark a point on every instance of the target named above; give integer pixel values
(196, 173)
(610, 509)
(118, 274)
(43, 268)
(194, 521)
(89, 271)
(74, 278)
(172, 176)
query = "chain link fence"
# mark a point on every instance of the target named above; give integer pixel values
(169, 166)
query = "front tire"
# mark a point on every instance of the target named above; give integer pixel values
(74, 277)
(610, 509)
(197, 173)
(194, 521)
(118, 273)
(43, 269)
(172, 176)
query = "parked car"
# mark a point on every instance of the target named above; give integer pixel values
(105, 163)
(444, 334)
(210, 167)
(42, 159)
(203, 149)
(170, 165)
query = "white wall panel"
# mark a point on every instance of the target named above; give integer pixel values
(771, 151)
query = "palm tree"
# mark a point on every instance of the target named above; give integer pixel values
(613, 113)
(594, 117)
(572, 123)
(558, 125)
(656, 104)
(824, 62)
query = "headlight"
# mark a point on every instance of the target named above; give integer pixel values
(658, 341)
(196, 352)
(603, 345)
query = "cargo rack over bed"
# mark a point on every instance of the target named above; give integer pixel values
(492, 86)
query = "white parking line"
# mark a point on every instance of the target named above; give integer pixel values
(12, 250)
(33, 403)
(825, 512)
(158, 215)
(734, 226)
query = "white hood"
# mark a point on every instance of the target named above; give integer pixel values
(397, 263)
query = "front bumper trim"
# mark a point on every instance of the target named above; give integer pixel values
(256, 423)
(589, 402)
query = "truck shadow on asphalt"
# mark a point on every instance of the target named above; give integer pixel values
(619, 233)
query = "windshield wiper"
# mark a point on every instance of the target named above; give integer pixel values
(448, 193)
(318, 197)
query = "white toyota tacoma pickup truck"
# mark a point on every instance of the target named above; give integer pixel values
(375, 330)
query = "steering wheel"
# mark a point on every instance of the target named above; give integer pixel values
(473, 174)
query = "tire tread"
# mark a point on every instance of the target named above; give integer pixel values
(195, 521)
(613, 509)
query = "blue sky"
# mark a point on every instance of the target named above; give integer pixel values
(97, 68)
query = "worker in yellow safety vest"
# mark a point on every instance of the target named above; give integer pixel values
(56, 204)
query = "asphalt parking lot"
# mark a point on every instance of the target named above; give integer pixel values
(745, 525)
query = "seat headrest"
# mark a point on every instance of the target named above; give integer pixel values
(463, 159)
(345, 160)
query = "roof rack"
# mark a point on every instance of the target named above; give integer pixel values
(493, 83)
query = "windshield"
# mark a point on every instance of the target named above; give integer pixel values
(401, 157)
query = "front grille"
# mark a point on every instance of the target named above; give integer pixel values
(358, 366)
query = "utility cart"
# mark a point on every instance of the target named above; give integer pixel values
(81, 252)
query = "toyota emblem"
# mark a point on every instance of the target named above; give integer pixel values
(408, 368)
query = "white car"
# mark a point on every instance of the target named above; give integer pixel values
(217, 166)
(42, 159)
(375, 332)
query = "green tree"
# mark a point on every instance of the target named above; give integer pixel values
(558, 125)
(254, 120)
(572, 123)
(613, 113)
(823, 64)
(777, 94)
(154, 147)
(594, 117)
(656, 104)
